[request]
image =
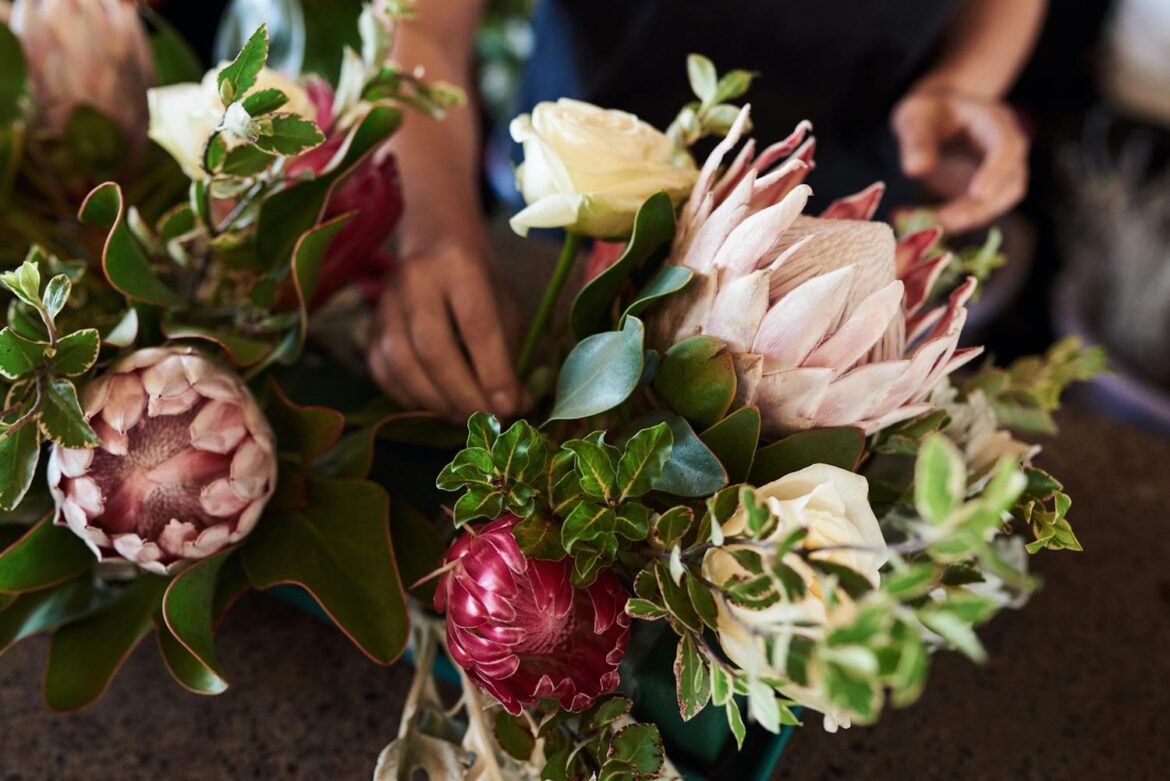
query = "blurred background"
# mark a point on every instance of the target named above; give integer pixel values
(1088, 250)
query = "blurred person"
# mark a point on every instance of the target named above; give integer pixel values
(908, 92)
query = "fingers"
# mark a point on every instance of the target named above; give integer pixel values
(480, 322)
(393, 363)
(917, 125)
(1001, 179)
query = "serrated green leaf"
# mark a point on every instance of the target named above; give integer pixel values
(595, 468)
(539, 538)
(510, 451)
(236, 78)
(639, 745)
(61, 418)
(587, 523)
(645, 610)
(600, 372)
(291, 135)
(77, 352)
(642, 462)
(633, 521)
(480, 501)
(19, 452)
(482, 430)
(264, 101)
(20, 357)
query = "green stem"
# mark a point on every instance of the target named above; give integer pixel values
(551, 293)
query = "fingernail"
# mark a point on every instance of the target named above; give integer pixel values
(502, 401)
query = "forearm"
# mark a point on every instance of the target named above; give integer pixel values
(986, 45)
(439, 159)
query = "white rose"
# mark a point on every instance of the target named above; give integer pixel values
(183, 116)
(832, 504)
(588, 169)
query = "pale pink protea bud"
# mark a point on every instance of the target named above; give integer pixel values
(821, 314)
(186, 463)
(521, 630)
(86, 52)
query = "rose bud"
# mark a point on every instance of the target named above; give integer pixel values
(186, 463)
(519, 627)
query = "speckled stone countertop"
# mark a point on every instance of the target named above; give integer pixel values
(1077, 687)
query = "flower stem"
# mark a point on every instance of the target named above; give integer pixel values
(551, 293)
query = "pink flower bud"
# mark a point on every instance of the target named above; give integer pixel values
(521, 630)
(87, 52)
(186, 463)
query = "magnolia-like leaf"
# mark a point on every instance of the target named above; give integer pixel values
(61, 418)
(840, 447)
(189, 610)
(85, 655)
(126, 266)
(667, 281)
(733, 440)
(338, 549)
(305, 432)
(242, 351)
(308, 257)
(77, 352)
(418, 548)
(40, 611)
(692, 469)
(653, 231)
(44, 556)
(237, 77)
(19, 452)
(600, 373)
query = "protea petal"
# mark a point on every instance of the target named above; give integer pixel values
(859, 393)
(754, 240)
(861, 330)
(797, 323)
(738, 311)
(859, 206)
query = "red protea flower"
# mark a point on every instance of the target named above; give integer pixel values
(521, 630)
(186, 463)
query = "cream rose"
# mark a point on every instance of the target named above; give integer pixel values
(832, 504)
(183, 116)
(588, 169)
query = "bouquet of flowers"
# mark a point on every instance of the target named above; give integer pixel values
(153, 462)
(757, 440)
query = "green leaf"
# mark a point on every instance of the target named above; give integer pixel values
(510, 452)
(242, 351)
(840, 447)
(600, 373)
(644, 609)
(667, 281)
(514, 736)
(13, 76)
(701, 74)
(61, 419)
(308, 257)
(692, 679)
(418, 548)
(480, 501)
(264, 101)
(57, 294)
(722, 683)
(126, 266)
(733, 440)
(735, 722)
(670, 527)
(633, 521)
(25, 281)
(642, 462)
(19, 357)
(175, 62)
(595, 467)
(19, 452)
(588, 522)
(703, 602)
(239, 76)
(85, 655)
(77, 352)
(692, 469)
(245, 160)
(482, 430)
(189, 610)
(296, 209)
(909, 583)
(303, 431)
(539, 538)
(291, 135)
(733, 85)
(940, 477)
(40, 611)
(639, 745)
(954, 630)
(653, 232)
(677, 600)
(338, 549)
(45, 556)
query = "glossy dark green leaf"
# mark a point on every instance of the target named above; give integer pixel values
(653, 231)
(479, 501)
(308, 256)
(13, 76)
(20, 357)
(242, 351)
(61, 418)
(338, 549)
(85, 655)
(237, 77)
(642, 462)
(510, 452)
(305, 432)
(482, 430)
(19, 452)
(589, 522)
(692, 469)
(184, 667)
(539, 538)
(600, 373)
(639, 745)
(285, 216)
(188, 609)
(595, 467)
(46, 555)
(667, 281)
(39, 611)
(125, 264)
(697, 380)
(633, 521)
(76, 352)
(692, 679)
(840, 447)
(605, 712)
(733, 440)
(514, 736)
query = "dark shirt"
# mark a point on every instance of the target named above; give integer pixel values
(840, 63)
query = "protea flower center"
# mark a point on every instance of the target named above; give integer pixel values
(185, 465)
(522, 631)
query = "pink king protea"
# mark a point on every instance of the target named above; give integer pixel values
(821, 314)
(521, 630)
(186, 463)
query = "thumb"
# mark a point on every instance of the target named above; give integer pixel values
(916, 125)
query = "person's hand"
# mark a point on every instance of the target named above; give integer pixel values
(440, 338)
(969, 151)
